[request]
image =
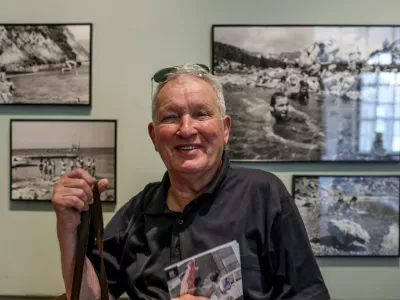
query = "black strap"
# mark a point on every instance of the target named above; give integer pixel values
(90, 231)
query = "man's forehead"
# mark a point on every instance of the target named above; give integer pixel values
(282, 99)
(184, 85)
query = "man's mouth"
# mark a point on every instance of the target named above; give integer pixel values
(188, 148)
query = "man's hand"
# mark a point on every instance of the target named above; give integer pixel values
(72, 194)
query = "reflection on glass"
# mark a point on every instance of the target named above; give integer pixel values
(387, 78)
(369, 94)
(385, 94)
(369, 78)
(367, 110)
(384, 111)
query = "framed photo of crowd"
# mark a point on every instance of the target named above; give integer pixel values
(46, 64)
(310, 93)
(352, 215)
(43, 150)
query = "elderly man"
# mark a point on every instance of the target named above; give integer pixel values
(201, 202)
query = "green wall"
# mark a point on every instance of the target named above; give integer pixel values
(131, 40)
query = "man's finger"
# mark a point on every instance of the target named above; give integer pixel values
(80, 173)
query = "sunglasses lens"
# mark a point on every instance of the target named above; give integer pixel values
(161, 75)
(204, 67)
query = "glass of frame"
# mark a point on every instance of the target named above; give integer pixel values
(352, 215)
(46, 64)
(305, 93)
(43, 150)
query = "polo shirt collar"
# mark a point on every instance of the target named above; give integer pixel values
(158, 204)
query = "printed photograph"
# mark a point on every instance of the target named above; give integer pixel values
(214, 274)
(44, 150)
(310, 93)
(350, 215)
(45, 64)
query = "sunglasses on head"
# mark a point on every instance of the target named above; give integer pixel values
(162, 75)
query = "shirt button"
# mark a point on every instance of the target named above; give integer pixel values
(180, 222)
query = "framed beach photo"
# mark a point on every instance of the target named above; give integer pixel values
(46, 64)
(306, 93)
(353, 215)
(43, 150)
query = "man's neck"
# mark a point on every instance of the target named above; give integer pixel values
(185, 188)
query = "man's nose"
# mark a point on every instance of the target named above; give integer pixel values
(187, 126)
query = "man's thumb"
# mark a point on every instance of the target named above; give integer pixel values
(102, 184)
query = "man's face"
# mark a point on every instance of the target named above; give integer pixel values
(188, 130)
(281, 108)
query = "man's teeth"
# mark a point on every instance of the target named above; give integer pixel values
(187, 148)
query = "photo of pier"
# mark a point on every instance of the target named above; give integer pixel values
(44, 150)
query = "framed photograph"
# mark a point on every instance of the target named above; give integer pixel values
(349, 215)
(46, 64)
(43, 150)
(305, 93)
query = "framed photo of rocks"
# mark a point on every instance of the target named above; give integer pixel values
(306, 93)
(46, 64)
(354, 215)
(43, 150)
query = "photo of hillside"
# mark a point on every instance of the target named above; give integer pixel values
(45, 64)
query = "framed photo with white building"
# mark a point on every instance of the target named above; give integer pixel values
(46, 64)
(309, 93)
(352, 215)
(43, 150)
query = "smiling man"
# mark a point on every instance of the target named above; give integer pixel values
(202, 202)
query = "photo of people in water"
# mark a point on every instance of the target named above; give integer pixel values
(44, 64)
(310, 93)
(44, 150)
(350, 215)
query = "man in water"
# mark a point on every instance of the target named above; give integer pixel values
(288, 126)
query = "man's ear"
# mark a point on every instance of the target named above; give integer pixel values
(152, 134)
(227, 127)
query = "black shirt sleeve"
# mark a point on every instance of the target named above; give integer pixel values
(297, 275)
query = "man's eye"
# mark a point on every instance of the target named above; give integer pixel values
(170, 118)
(202, 114)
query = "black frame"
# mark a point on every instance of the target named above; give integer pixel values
(395, 156)
(15, 120)
(397, 177)
(90, 87)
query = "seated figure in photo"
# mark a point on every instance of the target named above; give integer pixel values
(201, 202)
(71, 65)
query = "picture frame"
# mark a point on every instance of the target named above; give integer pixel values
(42, 150)
(349, 215)
(46, 64)
(310, 93)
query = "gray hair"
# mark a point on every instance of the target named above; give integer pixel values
(198, 71)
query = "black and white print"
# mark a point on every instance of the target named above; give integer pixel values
(214, 274)
(45, 64)
(310, 93)
(350, 215)
(44, 150)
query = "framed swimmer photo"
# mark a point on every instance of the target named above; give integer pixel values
(305, 93)
(46, 64)
(352, 215)
(43, 150)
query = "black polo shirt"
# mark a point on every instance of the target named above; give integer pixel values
(250, 206)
